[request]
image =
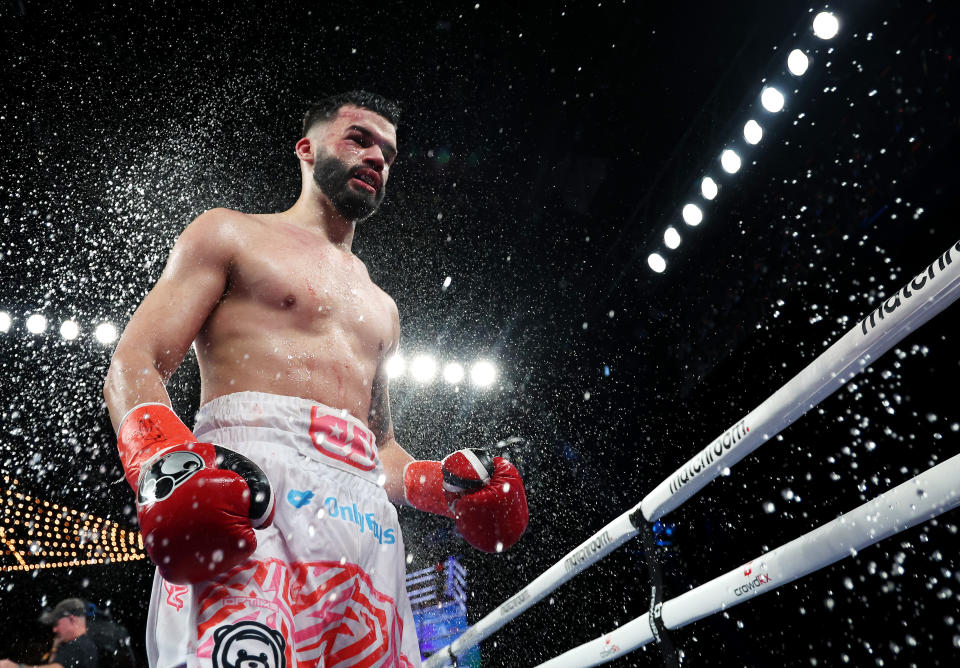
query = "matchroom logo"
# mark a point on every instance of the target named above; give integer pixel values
(587, 551)
(515, 602)
(710, 454)
(905, 293)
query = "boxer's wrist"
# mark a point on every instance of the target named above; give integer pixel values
(138, 408)
(423, 487)
(145, 431)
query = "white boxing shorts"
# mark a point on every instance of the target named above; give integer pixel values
(325, 586)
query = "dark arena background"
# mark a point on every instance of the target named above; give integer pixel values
(544, 151)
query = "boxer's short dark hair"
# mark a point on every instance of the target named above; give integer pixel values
(325, 109)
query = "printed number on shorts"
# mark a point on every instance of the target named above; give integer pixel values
(337, 438)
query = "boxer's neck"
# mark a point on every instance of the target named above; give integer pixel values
(314, 211)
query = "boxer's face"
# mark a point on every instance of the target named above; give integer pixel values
(354, 152)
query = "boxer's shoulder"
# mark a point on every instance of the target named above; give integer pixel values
(224, 224)
(217, 234)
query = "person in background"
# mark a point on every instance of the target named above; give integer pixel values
(72, 647)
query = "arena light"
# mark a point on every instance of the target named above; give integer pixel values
(36, 324)
(69, 330)
(692, 215)
(483, 373)
(752, 132)
(771, 99)
(708, 188)
(730, 161)
(797, 62)
(671, 238)
(396, 365)
(453, 373)
(5, 321)
(656, 262)
(105, 333)
(37, 534)
(423, 368)
(825, 25)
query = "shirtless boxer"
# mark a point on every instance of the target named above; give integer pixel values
(271, 521)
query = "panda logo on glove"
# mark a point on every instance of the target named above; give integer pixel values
(248, 645)
(167, 473)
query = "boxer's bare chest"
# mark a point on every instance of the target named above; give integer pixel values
(287, 281)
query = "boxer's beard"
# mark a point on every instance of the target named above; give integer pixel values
(333, 177)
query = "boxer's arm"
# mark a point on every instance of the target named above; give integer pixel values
(165, 324)
(393, 457)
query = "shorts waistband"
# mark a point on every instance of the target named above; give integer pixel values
(328, 435)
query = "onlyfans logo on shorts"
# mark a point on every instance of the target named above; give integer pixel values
(363, 520)
(888, 307)
(586, 551)
(710, 454)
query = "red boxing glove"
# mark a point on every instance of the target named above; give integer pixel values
(483, 494)
(197, 503)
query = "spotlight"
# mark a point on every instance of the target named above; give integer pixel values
(453, 373)
(105, 333)
(825, 25)
(797, 62)
(708, 187)
(692, 215)
(69, 330)
(671, 238)
(36, 324)
(483, 373)
(423, 368)
(656, 262)
(752, 132)
(771, 99)
(5, 321)
(730, 161)
(395, 366)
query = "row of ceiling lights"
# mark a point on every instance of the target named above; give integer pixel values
(422, 368)
(36, 323)
(825, 26)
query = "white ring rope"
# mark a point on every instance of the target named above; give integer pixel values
(926, 295)
(929, 494)
(930, 291)
(605, 541)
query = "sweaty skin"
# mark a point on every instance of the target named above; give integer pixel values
(277, 303)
